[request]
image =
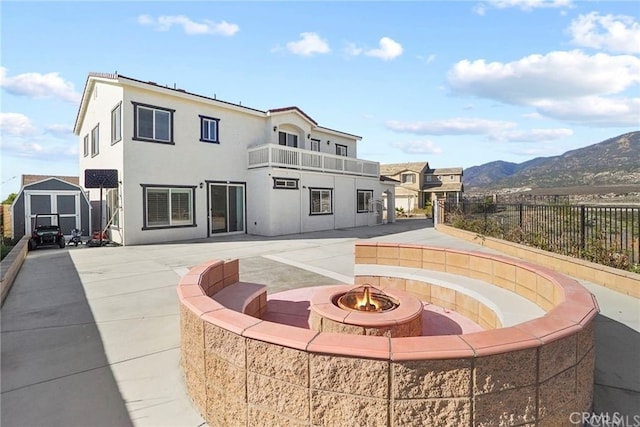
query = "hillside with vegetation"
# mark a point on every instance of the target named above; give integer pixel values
(610, 166)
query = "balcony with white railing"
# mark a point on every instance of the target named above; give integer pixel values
(273, 155)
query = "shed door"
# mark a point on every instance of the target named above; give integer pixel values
(66, 204)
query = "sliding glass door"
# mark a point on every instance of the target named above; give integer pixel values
(226, 208)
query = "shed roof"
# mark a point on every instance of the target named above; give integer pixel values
(30, 179)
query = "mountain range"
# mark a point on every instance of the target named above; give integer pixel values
(613, 162)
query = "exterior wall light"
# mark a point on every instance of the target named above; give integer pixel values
(275, 128)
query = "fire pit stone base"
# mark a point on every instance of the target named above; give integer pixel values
(403, 321)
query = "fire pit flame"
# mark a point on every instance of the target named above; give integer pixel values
(368, 299)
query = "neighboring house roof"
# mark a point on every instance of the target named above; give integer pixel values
(396, 168)
(30, 179)
(93, 77)
(445, 171)
(384, 178)
(438, 186)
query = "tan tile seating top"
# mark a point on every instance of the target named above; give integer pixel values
(510, 307)
(239, 295)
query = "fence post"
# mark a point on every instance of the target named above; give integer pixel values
(520, 216)
(582, 227)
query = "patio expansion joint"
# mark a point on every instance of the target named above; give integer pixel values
(317, 270)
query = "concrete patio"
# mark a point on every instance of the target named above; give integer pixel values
(90, 336)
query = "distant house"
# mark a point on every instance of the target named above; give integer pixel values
(443, 183)
(192, 166)
(419, 184)
(43, 194)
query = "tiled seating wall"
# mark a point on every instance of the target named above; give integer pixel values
(241, 370)
(616, 279)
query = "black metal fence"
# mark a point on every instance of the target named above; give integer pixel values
(608, 235)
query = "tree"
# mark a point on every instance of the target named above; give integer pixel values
(10, 198)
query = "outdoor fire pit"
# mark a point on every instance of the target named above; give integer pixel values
(368, 299)
(366, 310)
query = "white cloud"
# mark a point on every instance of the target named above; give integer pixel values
(389, 49)
(417, 147)
(532, 135)
(22, 139)
(619, 34)
(552, 82)
(16, 124)
(351, 49)
(60, 130)
(526, 5)
(556, 75)
(455, 126)
(595, 111)
(36, 85)
(164, 23)
(308, 45)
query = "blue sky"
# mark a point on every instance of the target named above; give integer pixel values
(454, 83)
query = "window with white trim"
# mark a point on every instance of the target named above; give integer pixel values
(152, 124)
(86, 145)
(168, 207)
(341, 150)
(285, 183)
(408, 178)
(364, 199)
(95, 141)
(288, 139)
(321, 201)
(116, 124)
(209, 129)
(315, 145)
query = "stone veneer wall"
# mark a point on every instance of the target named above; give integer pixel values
(241, 370)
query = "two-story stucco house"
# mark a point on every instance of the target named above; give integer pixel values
(191, 166)
(420, 185)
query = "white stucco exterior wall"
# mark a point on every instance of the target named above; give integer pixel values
(190, 163)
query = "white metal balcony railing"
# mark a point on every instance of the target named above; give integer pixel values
(272, 155)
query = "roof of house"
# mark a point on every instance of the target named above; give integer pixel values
(118, 77)
(438, 186)
(30, 179)
(445, 171)
(396, 168)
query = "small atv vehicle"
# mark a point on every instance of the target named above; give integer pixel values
(46, 234)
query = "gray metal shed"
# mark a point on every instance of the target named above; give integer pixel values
(51, 195)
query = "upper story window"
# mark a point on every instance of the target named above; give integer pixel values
(341, 150)
(321, 201)
(116, 124)
(288, 139)
(153, 124)
(209, 129)
(315, 145)
(95, 141)
(428, 178)
(408, 178)
(86, 145)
